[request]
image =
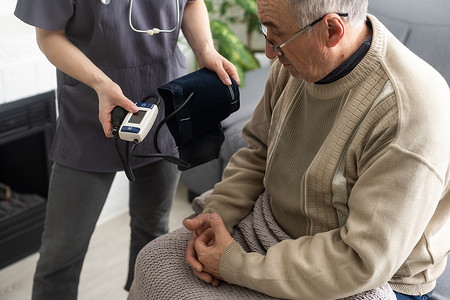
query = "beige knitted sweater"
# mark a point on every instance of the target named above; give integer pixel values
(365, 197)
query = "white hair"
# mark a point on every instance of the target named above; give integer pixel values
(307, 11)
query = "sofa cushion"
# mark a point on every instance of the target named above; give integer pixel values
(442, 290)
(250, 95)
(423, 26)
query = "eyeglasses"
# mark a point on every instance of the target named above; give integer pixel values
(277, 49)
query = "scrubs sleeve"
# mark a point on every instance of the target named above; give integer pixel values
(45, 14)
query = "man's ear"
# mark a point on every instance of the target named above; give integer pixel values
(335, 28)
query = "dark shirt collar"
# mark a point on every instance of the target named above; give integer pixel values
(348, 65)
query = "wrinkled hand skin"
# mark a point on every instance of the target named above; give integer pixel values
(209, 239)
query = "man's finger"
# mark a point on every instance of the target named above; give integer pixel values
(198, 224)
(206, 277)
(191, 255)
(191, 224)
(217, 225)
(204, 240)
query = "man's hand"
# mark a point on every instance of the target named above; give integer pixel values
(197, 226)
(211, 244)
(203, 229)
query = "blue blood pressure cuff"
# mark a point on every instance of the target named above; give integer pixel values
(195, 104)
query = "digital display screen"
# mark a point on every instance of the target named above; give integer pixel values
(136, 118)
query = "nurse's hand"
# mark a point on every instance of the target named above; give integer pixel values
(197, 31)
(212, 60)
(110, 95)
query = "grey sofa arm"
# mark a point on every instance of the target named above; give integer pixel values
(423, 26)
(442, 290)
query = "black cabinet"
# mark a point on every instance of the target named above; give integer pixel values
(27, 127)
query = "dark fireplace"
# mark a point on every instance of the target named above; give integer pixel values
(27, 127)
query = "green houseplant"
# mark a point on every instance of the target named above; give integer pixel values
(227, 43)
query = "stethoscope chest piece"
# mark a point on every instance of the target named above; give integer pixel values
(106, 2)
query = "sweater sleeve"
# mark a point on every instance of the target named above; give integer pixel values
(388, 213)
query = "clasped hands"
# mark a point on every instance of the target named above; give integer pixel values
(209, 239)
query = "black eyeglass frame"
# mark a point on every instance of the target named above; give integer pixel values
(277, 49)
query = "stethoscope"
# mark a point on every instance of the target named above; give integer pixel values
(154, 30)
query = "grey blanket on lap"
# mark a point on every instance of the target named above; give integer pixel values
(161, 272)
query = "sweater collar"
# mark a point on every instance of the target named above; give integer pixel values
(365, 65)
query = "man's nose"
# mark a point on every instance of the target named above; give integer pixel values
(270, 53)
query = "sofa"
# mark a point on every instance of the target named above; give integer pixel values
(423, 26)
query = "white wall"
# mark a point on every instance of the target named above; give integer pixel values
(24, 70)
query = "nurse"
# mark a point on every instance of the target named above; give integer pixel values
(101, 63)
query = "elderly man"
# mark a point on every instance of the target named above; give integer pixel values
(349, 149)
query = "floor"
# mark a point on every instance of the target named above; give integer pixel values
(105, 266)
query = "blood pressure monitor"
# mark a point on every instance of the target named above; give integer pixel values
(136, 126)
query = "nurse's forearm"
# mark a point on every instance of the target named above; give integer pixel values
(196, 28)
(69, 59)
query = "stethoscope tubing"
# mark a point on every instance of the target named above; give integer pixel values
(154, 30)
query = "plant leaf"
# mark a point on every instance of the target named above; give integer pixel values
(249, 6)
